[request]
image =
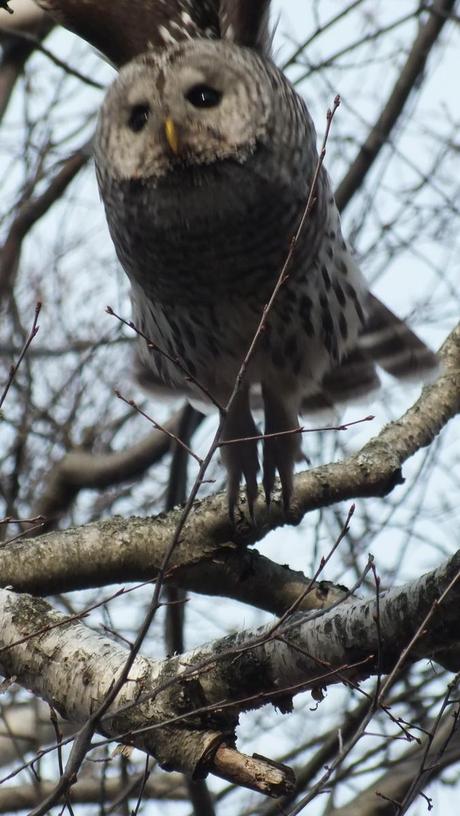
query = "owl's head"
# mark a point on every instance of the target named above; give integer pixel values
(193, 103)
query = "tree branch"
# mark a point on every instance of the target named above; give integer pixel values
(88, 791)
(79, 470)
(15, 53)
(30, 213)
(380, 798)
(210, 557)
(392, 110)
(181, 710)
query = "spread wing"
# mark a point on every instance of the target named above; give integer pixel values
(124, 29)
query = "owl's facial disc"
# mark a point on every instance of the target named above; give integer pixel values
(192, 104)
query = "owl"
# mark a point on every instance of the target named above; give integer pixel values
(205, 156)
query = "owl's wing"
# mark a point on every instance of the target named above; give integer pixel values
(246, 23)
(124, 29)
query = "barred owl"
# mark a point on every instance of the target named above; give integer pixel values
(205, 155)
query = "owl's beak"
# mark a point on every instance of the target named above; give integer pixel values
(172, 136)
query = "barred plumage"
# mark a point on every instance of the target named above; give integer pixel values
(205, 155)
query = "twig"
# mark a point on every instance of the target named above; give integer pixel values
(174, 360)
(389, 680)
(11, 520)
(31, 212)
(14, 368)
(25, 36)
(322, 564)
(159, 427)
(300, 430)
(283, 276)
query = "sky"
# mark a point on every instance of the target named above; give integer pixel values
(405, 283)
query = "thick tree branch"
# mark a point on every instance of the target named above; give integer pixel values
(182, 709)
(73, 667)
(210, 557)
(120, 551)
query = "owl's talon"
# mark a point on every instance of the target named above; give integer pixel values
(286, 492)
(269, 473)
(233, 490)
(277, 458)
(232, 500)
(280, 452)
(240, 458)
(251, 494)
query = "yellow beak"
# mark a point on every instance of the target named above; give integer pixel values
(172, 136)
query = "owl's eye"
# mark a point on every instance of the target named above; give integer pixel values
(138, 117)
(203, 96)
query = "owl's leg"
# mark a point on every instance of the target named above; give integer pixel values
(240, 458)
(280, 452)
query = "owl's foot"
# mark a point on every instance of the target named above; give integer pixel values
(280, 452)
(240, 458)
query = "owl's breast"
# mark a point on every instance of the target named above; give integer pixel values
(203, 233)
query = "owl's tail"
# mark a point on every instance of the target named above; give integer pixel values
(386, 342)
(392, 345)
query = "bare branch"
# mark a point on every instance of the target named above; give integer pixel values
(406, 81)
(391, 787)
(14, 368)
(30, 213)
(80, 470)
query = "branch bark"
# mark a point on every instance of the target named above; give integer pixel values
(210, 557)
(184, 710)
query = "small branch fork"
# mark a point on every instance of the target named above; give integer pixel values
(159, 427)
(229, 760)
(33, 332)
